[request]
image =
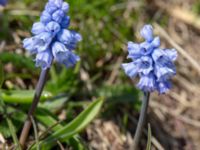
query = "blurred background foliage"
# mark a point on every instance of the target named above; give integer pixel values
(106, 26)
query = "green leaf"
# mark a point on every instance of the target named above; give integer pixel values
(80, 122)
(149, 138)
(76, 143)
(1, 75)
(49, 120)
(76, 125)
(22, 96)
(56, 103)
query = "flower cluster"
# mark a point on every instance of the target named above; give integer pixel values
(153, 65)
(3, 2)
(51, 38)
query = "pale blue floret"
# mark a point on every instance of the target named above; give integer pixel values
(58, 15)
(50, 8)
(53, 28)
(65, 22)
(147, 83)
(140, 66)
(65, 7)
(131, 69)
(145, 65)
(171, 53)
(45, 17)
(153, 65)
(44, 59)
(29, 44)
(42, 41)
(67, 58)
(37, 28)
(69, 38)
(147, 33)
(64, 55)
(144, 48)
(57, 3)
(164, 67)
(134, 50)
(51, 38)
(164, 86)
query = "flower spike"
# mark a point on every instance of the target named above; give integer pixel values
(152, 64)
(52, 29)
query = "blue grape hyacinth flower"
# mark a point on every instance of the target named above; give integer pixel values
(3, 2)
(51, 37)
(152, 64)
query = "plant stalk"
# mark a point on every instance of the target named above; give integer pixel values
(38, 92)
(142, 119)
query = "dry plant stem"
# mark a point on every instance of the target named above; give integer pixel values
(163, 33)
(28, 123)
(141, 121)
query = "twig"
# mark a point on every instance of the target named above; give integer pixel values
(141, 121)
(184, 15)
(173, 113)
(115, 71)
(182, 100)
(60, 145)
(24, 12)
(123, 5)
(163, 33)
(49, 129)
(38, 92)
(194, 88)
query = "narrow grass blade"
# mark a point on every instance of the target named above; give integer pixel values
(10, 125)
(35, 133)
(1, 75)
(13, 133)
(149, 138)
